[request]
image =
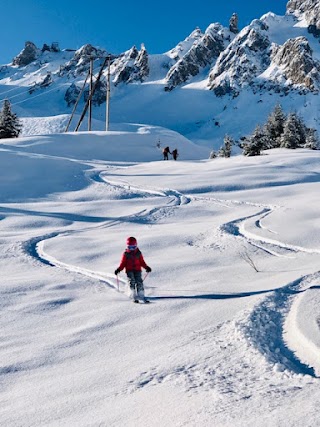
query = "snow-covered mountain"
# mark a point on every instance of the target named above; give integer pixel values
(214, 82)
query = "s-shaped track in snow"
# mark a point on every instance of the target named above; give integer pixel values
(263, 328)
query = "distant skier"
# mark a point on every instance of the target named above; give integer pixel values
(166, 152)
(175, 154)
(132, 260)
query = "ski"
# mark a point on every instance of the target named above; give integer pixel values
(145, 301)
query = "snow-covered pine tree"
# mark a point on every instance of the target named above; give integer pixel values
(10, 125)
(302, 129)
(212, 155)
(294, 132)
(256, 143)
(274, 127)
(312, 139)
(225, 150)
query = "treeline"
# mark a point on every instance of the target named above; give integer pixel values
(279, 131)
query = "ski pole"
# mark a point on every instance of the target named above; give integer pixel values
(118, 282)
(145, 276)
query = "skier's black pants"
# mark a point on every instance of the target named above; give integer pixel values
(135, 281)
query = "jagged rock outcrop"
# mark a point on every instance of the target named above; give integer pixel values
(204, 50)
(80, 62)
(29, 54)
(72, 94)
(53, 48)
(132, 66)
(99, 95)
(297, 64)
(142, 63)
(184, 46)
(247, 56)
(86, 52)
(45, 82)
(309, 10)
(233, 23)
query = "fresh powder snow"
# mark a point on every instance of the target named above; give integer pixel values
(231, 336)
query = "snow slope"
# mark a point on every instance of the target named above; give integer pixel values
(220, 344)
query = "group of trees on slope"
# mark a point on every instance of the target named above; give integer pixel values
(280, 130)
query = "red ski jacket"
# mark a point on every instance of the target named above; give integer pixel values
(132, 261)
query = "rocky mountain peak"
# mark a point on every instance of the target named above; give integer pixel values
(247, 56)
(184, 46)
(81, 60)
(29, 54)
(233, 23)
(298, 66)
(202, 52)
(132, 66)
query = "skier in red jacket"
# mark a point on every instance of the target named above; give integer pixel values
(132, 260)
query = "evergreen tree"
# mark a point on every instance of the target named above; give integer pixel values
(225, 150)
(10, 125)
(294, 132)
(255, 143)
(212, 155)
(280, 131)
(312, 140)
(274, 126)
(301, 129)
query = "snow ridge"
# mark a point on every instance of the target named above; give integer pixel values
(264, 328)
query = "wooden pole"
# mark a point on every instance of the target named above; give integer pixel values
(77, 102)
(108, 97)
(90, 94)
(93, 90)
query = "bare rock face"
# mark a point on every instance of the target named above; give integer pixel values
(309, 10)
(80, 62)
(203, 52)
(99, 96)
(132, 66)
(72, 94)
(45, 82)
(233, 23)
(247, 56)
(297, 64)
(53, 48)
(29, 54)
(142, 65)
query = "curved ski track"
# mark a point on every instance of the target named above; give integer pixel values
(263, 328)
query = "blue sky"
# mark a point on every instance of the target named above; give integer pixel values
(117, 26)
